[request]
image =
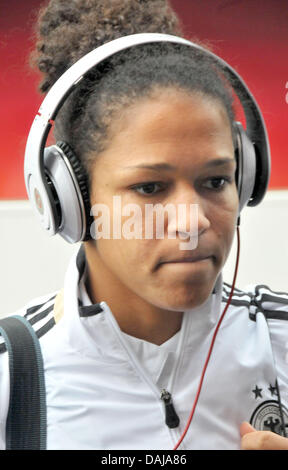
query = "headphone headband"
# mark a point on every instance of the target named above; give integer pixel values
(36, 184)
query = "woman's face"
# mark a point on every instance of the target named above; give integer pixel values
(169, 148)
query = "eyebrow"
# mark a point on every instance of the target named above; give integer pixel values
(165, 166)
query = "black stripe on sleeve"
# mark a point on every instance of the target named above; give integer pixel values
(237, 295)
(44, 329)
(41, 315)
(229, 287)
(257, 289)
(237, 302)
(272, 298)
(276, 314)
(34, 309)
(237, 292)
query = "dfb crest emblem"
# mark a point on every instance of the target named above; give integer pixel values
(269, 417)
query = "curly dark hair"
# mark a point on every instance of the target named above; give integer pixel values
(68, 30)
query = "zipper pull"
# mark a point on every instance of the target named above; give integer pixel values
(172, 420)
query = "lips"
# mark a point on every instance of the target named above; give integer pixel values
(188, 260)
(185, 258)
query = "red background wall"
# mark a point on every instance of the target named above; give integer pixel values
(251, 35)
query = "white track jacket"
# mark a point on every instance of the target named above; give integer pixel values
(103, 387)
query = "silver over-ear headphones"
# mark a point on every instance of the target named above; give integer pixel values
(55, 180)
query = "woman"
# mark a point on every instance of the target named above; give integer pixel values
(125, 350)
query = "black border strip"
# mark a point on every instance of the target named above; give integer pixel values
(32, 310)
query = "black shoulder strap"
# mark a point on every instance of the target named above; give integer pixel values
(26, 421)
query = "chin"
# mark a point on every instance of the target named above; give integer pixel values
(179, 301)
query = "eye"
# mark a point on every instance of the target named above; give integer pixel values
(217, 183)
(147, 188)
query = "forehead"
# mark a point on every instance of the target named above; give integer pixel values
(168, 124)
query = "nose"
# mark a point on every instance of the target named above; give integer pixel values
(191, 219)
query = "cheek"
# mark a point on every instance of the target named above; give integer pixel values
(224, 226)
(226, 212)
(128, 259)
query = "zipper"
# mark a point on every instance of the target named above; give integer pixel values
(171, 418)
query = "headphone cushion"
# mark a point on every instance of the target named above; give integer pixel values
(246, 167)
(82, 180)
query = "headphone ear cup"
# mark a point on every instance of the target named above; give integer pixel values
(69, 186)
(246, 166)
(82, 180)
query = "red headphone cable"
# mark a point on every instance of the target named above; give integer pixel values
(213, 341)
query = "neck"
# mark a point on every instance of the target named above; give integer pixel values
(134, 315)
